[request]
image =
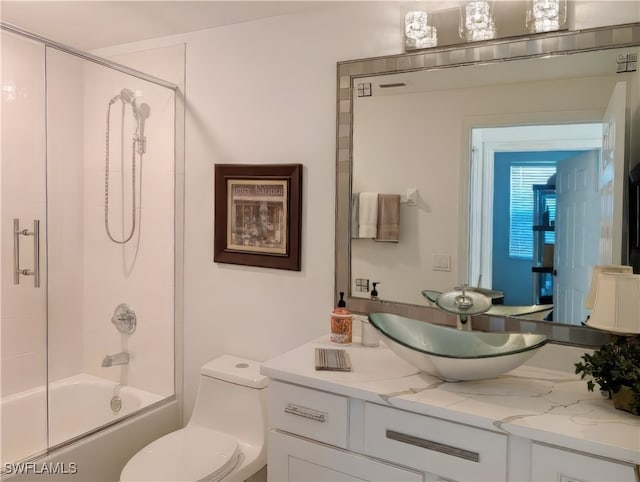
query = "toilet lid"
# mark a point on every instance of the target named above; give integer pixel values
(189, 454)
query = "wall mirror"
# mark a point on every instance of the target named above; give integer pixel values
(446, 128)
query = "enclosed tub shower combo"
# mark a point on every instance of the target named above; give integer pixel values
(88, 249)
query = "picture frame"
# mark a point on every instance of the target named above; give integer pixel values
(258, 214)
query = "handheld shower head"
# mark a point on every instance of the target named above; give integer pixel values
(127, 96)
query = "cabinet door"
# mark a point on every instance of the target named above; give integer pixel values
(549, 463)
(294, 459)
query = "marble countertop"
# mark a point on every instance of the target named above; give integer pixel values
(533, 401)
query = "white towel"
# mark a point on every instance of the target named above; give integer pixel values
(368, 215)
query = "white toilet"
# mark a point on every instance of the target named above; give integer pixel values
(225, 437)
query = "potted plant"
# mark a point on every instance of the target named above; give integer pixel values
(615, 367)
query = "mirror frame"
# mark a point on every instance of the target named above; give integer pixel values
(522, 47)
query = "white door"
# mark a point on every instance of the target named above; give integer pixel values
(612, 177)
(577, 233)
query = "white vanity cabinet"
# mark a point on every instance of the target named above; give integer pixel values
(385, 421)
(320, 436)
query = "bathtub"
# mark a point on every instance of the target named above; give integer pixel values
(77, 405)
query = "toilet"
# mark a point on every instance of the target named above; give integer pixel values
(225, 437)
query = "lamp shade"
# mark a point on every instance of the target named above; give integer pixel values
(595, 274)
(616, 307)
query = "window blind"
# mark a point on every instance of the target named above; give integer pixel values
(522, 177)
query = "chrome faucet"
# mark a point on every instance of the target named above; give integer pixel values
(117, 359)
(463, 303)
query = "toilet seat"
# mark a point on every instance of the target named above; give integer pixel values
(190, 454)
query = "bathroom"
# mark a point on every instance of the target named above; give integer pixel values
(256, 85)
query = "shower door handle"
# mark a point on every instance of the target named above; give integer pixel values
(16, 251)
(17, 271)
(36, 253)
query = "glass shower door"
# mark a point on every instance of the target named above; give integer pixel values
(23, 195)
(110, 206)
(88, 247)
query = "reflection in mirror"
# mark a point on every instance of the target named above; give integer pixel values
(435, 131)
(469, 140)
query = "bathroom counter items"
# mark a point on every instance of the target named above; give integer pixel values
(547, 407)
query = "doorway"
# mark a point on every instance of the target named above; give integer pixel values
(501, 249)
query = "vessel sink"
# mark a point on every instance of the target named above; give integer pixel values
(455, 355)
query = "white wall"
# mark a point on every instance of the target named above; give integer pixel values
(264, 92)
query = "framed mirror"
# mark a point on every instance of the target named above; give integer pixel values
(446, 128)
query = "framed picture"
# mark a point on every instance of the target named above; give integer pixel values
(258, 215)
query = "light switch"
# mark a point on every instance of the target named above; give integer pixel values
(362, 284)
(441, 262)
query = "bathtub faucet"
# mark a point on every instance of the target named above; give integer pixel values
(117, 359)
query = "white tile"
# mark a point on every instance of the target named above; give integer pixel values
(23, 335)
(23, 372)
(23, 298)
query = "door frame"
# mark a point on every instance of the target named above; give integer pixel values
(485, 143)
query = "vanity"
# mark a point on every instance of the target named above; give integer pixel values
(387, 421)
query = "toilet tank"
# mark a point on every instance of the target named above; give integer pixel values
(232, 398)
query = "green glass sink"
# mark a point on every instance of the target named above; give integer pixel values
(452, 354)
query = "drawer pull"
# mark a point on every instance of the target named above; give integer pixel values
(306, 412)
(435, 446)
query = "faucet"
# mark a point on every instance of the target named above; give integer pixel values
(463, 303)
(117, 359)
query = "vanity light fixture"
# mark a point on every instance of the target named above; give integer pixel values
(418, 34)
(616, 307)
(546, 15)
(477, 22)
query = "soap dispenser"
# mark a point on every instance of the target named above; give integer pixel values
(341, 323)
(374, 291)
(341, 302)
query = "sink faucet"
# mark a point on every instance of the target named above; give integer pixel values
(463, 303)
(117, 359)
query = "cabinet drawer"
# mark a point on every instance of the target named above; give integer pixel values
(549, 463)
(311, 413)
(300, 460)
(448, 449)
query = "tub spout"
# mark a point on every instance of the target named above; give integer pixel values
(117, 359)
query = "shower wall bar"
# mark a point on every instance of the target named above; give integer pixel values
(92, 58)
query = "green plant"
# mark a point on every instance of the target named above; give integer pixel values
(615, 367)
